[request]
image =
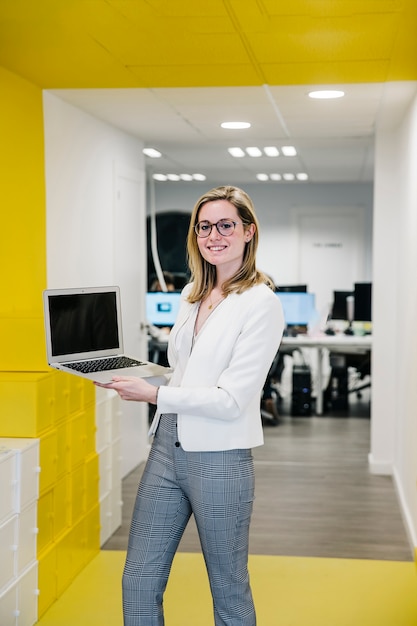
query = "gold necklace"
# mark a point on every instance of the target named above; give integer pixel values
(215, 303)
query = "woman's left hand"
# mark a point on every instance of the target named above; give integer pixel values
(132, 388)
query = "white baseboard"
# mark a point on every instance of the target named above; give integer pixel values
(384, 468)
(405, 512)
(388, 469)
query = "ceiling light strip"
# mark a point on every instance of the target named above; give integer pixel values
(287, 177)
(269, 151)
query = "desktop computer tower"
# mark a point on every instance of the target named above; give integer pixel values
(338, 385)
(301, 391)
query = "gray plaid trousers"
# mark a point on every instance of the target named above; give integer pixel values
(218, 488)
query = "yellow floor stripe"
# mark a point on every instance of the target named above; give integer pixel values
(288, 591)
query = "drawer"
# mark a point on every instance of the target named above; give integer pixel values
(92, 481)
(77, 439)
(90, 429)
(27, 538)
(48, 460)
(105, 518)
(26, 456)
(46, 519)
(108, 418)
(8, 551)
(28, 477)
(76, 397)
(47, 579)
(105, 469)
(62, 382)
(116, 456)
(8, 606)
(78, 494)
(27, 597)
(61, 506)
(116, 416)
(92, 533)
(8, 471)
(116, 503)
(27, 403)
(104, 425)
(63, 449)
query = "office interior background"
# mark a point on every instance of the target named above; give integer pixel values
(75, 199)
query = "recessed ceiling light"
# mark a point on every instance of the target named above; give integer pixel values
(253, 151)
(289, 151)
(302, 176)
(152, 153)
(288, 176)
(236, 152)
(177, 177)
(262, 177)
(326, 94)
(271, 151)
(235, 125)
(275, 176)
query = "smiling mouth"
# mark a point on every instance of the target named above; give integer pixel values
(216, 248)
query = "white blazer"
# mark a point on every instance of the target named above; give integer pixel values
(216, 386)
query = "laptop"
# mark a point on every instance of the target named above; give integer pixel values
(83, 330)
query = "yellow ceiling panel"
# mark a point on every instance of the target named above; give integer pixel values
(330, 7)
(324, 39)
(157, 43)
(195, 75)
(205, 47)
(170, 8)
(329, 73)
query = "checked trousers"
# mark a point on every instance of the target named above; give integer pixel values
(218, 488)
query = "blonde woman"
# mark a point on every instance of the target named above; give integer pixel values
(227, 333)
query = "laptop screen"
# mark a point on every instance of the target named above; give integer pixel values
(83, 322)
(162, 307)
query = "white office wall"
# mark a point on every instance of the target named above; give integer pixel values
(394, 359)
(277, 206)
(89, 164)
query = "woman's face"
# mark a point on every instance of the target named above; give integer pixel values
(225, 252)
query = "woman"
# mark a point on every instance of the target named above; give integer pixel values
(227, 333)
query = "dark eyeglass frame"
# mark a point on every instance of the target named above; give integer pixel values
(218, 225)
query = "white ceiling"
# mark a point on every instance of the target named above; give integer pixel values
(334, 138)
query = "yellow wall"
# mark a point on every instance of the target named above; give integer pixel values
(23, 237)
(34, 400)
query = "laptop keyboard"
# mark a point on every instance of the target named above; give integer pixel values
(103, 365)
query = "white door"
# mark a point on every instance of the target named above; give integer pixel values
(330, 252)
(129, 237)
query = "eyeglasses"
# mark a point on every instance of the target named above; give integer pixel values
(225, 228)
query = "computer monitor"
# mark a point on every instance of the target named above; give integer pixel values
(162, 307)
(299, 307)
(363, 302)
(292, 288)
(339, 308)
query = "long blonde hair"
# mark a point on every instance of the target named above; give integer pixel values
(203, 274)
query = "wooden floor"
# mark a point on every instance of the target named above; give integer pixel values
(315, 496)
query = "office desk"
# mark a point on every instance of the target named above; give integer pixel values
(344, 344)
